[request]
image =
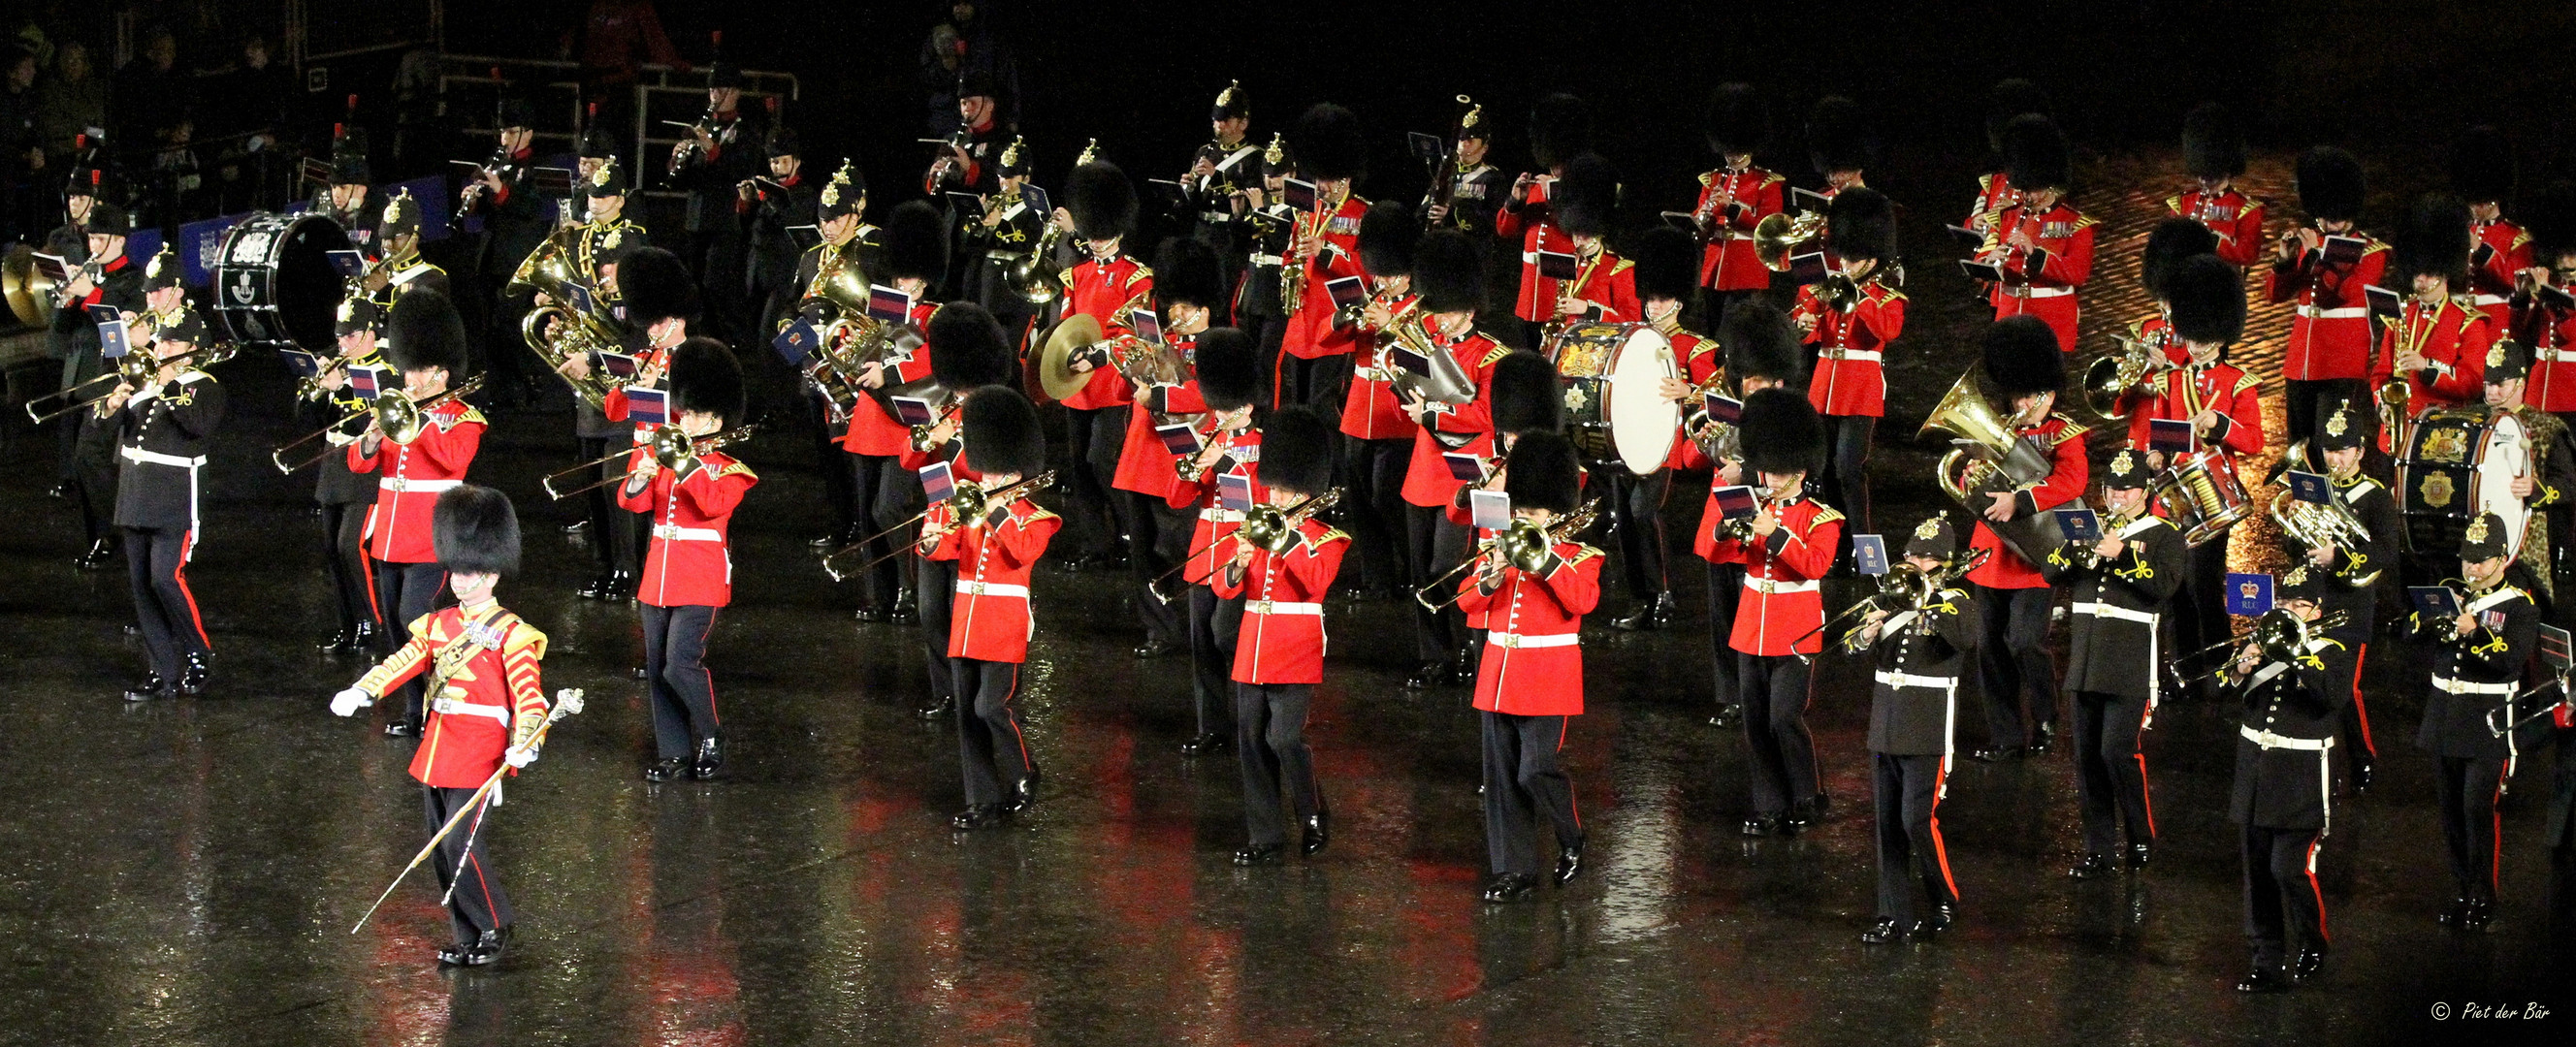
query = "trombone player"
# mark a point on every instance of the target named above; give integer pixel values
(330, 400)
(2024, 364)
(1913, 718)
(110, 278)
(413, 465)
(162, 430)
(2348, 577)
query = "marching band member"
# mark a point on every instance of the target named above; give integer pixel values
(2121, 585)
(2477, 669)
(2171, 241)
(1604, 288)
(2548, 482)
(1734, 198)
(485, 662)
(342, 495)
(2438, 341)
(1226, 370)
(773, 211)
(1449, 273)
(2225, 409)
(874, 441)
(1269, 235)
(1667, 271)
(839, 214)
(2330, 338)
(2042, 243)
(1187, 287)
(425, 341)
(968, 350)
(1211, 200)
(162, 431)
(1838, 143)
(1560, 129)
(964, 163)
(1100, 210)
(1761, 353)
(1279, 651)
(2024, 364)
(990, 623)
(346, 198)
(515, 221)
(402, 268)
(688, 572)
(657, 300)
(1526, 397)
(2008, 99)
(1005, 233)
(1476, 192)
(1377, 434)
(2291, 701)
(2482, 176)
(108, 277)
(712, 160)
(1786, 550)
(1913, 720)
(1332, 154)
(1851, 319)
(2213, 153)
(600, 245)
(2540, 320)
(2347, 580)
(1530, 684)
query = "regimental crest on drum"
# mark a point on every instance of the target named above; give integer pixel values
(2436, 490)
(2449, 446)
(1575, 398)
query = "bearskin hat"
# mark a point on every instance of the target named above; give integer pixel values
(1860, 224)
(2330, 184)
(1782, 433)
(2022, 357)
(1002, 434)
(1560, 129)
(655, 285)
(1185, 272)
(1103, 202)
(1296, 451)
(2550, 217)
(2434, 241)
(1667, 263)
(2207, 296)
(1760, 344)
(1835, 139)
(1734, 120)
(1587, 194)
(2173, 240)
(1544, 473)
(1449, 272)
(2482, 165)
(2035, 154)
(1525, 395)
(2007, 99)
(967, 347)
(475, 530)
(1329, 144)
(424, 331)
(915, 238)
(706, 378)
(1227, 367)
(1388, 236)
(2213, 146)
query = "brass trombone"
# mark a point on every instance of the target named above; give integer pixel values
(394, 413)
(1904, 587)
(970, 501)
(1264, 526)
(1521, 542)
(135, 368)
(669, 447)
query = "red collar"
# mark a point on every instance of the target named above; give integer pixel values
(524, 153)
(794, 180)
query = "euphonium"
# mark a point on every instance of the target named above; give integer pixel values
(2332, 525)
(1778, 234)
(1036, 277)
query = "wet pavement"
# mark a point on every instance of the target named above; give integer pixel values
(187, 872)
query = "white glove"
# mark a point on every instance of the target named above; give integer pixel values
(520, 755)
(348, 702)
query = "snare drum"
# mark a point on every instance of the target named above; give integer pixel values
(2459, 462)
(1614, 405)
(274, 283)
(2200, 494)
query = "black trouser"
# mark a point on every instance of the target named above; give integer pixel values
(156, 563)
(2468, 788)
(404, 592)
(1266, 332)
(2200, 607)
(2111, 769)
(682, 691)
(829, 459)
(614, 538)
(2352, 727)
(1847, 439)
(2284, 910)
(1637, 510)
(505, 353)
(1433, 545)
(1322, 382)
(715, 258)
(1087, 495)
(1214, 624)
(1907, 793)
(1522, 780)
(344, 552)
(1270, 745)
(870, 475)
(93, 475)
(2304, 399)
(938, 588)
(1373, 482)
(1157, 538)
(464, 862)
(992, 748)
(2013, 662)
(1725, 590)
(1774, 689)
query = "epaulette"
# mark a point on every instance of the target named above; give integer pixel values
(865, 232)
(2373, 244)
(1331, 534)
(2138, 328)
(1066, 274)
(1886, 293)
(1495, 357)
(1582, 552)
(735, 468)
(192, 376)
(1706, 177)
(522, 636)
(1623, 266)
(1036, 512)
(2173, 204)
(2470, 313)
(1986, 181)
(1825, 514)
(2074, 431)
(2082, 221)
(420, 625)
(1143, 272)
(2521, 236)
(472, 414)
(1768, 179)
(2246, 381)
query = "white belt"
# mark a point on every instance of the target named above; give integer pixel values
(459, 707)
(1857, 356)
(1529, 258)
(1221, 516)
(1514, 640)
(2104, 610)
(992, 589)
(398, 484)
(137, 454)
(1773, 587)
(2490, 299)
(1268, 259)
(2027, 291)
(2553, 354)
(1911, 680)
(2353, 312)
(676, 533)
(1279, 607)
(2270, 740)
(1380, 375)
(2445, 683)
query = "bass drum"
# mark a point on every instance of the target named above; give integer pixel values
(2458, 462)
(274, 283)
(1614, 406)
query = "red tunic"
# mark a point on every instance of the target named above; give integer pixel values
(1311, 333)
(1607, 284)
(1700, 360)
(414, 475)
(1782, 599)
(2183, 393)
(690, 563)
(2042, 281)
(1728, 263)
(1466, 428)
(2330, 326)
(2551, 333)
(874, 432)
(989, 620)
(2508, 252)
(1145, 466)
(2234, 216)
(1106, 291)
(2068, 473)
(1850, 377)
(1534, 225)
(1533, 661)
(1995, 196)
(2453, 338)
(1282, 636)
(1209, 549)
(1370, 410)
(489, 701)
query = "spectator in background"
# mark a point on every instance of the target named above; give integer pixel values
(22, 156)
(151, 99)
(617, 38)
(251, 172)
(967, 42)
(71, 103)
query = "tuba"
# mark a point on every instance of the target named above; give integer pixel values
(1777, 234)
(2332, 525)
(556, 331)
(1446, 382)
(1990, 459)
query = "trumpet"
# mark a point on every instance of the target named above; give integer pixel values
(669, 447)
(2332, 525)
(135, 368)
(1777, 234)
(1524, 545)
(1264, 526)
(969, 502)
(393, 412)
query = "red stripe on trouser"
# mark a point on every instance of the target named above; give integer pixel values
(483, 884)
(710, 673)
(2361, 711)
(179, 573)
(1016, 738)
(2313, 889)
(2495, 862)
(1562, 723)
(1940, 849)
(2146, 798)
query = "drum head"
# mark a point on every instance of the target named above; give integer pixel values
(1643, 424)
(2507, 457)
(274, 283)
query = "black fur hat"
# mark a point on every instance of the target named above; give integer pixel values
(1560, 129)
(475, 530)
(2550, 217)
(2035, 154)
(1782, 433)
(1525, 395)
(1734, 120)
(424, 331)
(1102, 200)
(2173, 240)
(1759, 343)
(2213, 146)
(2435, 241)
(1860, 224)
(2330, 184)
(1002, 434)
(2482, 165)
(1227, 366)
(1185, 272)
(1329, 144)
(967, 347)
(706, 378)
(1449, 272)
(2007, 99)
(2207, 296)
(1388, 237)
(1544, 473)
(2022, 357)
(915, 239)
(1667, 263)
(1585, 197)
(655, 286)
(1296, 451)
(1835, 139)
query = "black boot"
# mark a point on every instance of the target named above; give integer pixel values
(364, 639)
(2362, 765)
(1506, 888)
(1025, 794)
(979, 816)
(1319, 831)
(666, 769)
(1569, 862)
(1651, 614)
(1885, 931)
(484, 951)
(1257, 853)
(1425, 675)
(339, 642)
(939, 707)
(2308, 962)
(1202, 744)
(594, 589)
(1729, 716)
(193, 678)
(2090, 866)
(2263, 979)
(2138, 854)
(150, 687)
(710, 760)
(907, 609)
(621, 587)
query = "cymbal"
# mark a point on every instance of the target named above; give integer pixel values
(28, 292)
(1055, 359)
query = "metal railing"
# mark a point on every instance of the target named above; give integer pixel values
(560, 85)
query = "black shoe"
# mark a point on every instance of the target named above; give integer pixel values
(710, 760)
(1943, 915)
(1202, 744)
(1425, 675)
(2091, 866)
(1463, 666)
(575, 527)
(824, 541)
(1998, 754)
(1885, 931)
(339, 642)
(2138, 853)
(979, 816)
(485, 950)
(2047, 737)
(2454, 914)
(939, 708)
(60, 490)
(1319, 831)
(98, 555)
(2309, 961)
(1258, 853)
(594, 589)
(1805, 814)
(907, 609)
(1766, 826)
(871, 613)
(621, 587)
(1569, 862)
(1728, 716)
(150, 687)
(1506, 888)
(401, 727)
(2362, 765)
(364, 639)
(1025, 794)
(1109, 562)
(2475, 917)
(2263, 979)
(666, 769)
(639, 673)
(193, 678)
(1649, 615)
(1155, 648)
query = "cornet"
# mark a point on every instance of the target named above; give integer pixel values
(1264, 526)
